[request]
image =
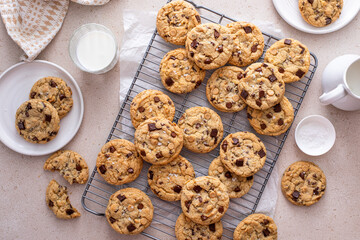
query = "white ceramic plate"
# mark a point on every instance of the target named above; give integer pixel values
(15, 86)
(289, 11)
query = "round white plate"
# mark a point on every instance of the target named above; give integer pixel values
(289, 11)
(15, 86)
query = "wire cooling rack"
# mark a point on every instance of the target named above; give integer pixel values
(97, 191)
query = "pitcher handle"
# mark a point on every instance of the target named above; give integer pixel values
(333, 96)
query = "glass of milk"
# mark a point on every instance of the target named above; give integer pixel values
(94, 49)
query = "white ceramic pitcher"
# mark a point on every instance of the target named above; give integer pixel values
(341, 83)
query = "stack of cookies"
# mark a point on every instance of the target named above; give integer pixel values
(38, 120)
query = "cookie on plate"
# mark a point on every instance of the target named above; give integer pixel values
(129, 211)
(248, 43)
(118, 162)
(37, 121)
(256, 226)
(222, 89)
(203, 129)
(204, 200)
(243, 153)
(320, 13)
(151, 103)
(262, 87)
(70, 165)
(175, 20)
(55, 91)
(303, 183)
(236, 186)
(290, 57)
(178, 73)
(167, 181)
(58, 201)
(209, 45)
(273, 121)
(186, 229)
(158, 141)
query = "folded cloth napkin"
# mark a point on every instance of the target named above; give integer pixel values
(32, 24)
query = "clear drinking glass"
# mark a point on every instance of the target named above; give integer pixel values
(78, 37)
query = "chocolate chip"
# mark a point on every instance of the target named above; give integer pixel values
(198, 83)
(52, 83)
(141, 109)
(316, 191)
(130, 170)
(295, 195)
(311, 1)
(281, 70)
(121, 197)
(261, 94)
(228, 174)
(173, 134)
(69, 211)
(112, 149)
(220, 49)
(28, 107)
(237, 189)
(239, 162)
(269, 115)
(194, 44)
(32, 94)
(169, 81)
(187, 204)
(259, 69)
(192, 55)
(221, 209)
(224, 145)
(212, 227)
(208, 61)
(287, 41)
(258, 102)
(140, 206)
(152, 127)
(102, 169)
(249, 116)
(328, 21)
(177, 188)
(156, 99)
(254, 48)
(51, 204)
(281, 122)
(277, 108)
(263, 126)
(143, 153)
(78, 167)
(53, 133)
(235, 141)
(244, 94)
(159, 155)
(21, 125)
(112, 220)
(172, 57)
(62, 96)
(302, 49)
(47, 118)
(198, 18)
(35, 139)
(299, 73)
(302, 175)
(216, 34)
(129, 154)
(249, 178)
(247, 29)
(272, 78)
(262, 153)
(214, 132)
(197, 188)
(228, 105)
(131, 227)
(266, 232)
(240, 76)
(203, 217)
(151, 175)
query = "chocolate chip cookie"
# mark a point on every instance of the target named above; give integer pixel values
(204, 200)
(273, 121)
(151, 103)
(262, 87)
(178, 73)
(186, 229)
(290, 57)
(167, 181)
(320, 13)
(203, 129)
(158, 141)
(129, 211)
(256, 226)
(55, 91)
(37, 121)
(236, 186)
(175, 20)
(58, 201)
(303, 183)
(248, 43)
(209, 45)
(243, 153)
(70, 165)
(222, 89)
(118, 162)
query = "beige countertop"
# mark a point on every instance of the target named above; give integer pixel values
(24, 214)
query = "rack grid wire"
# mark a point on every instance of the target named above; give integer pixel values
(97, 191)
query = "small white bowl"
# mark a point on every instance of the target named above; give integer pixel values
(315, 135)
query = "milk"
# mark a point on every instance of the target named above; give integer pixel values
(353, 78)
(96, 50)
